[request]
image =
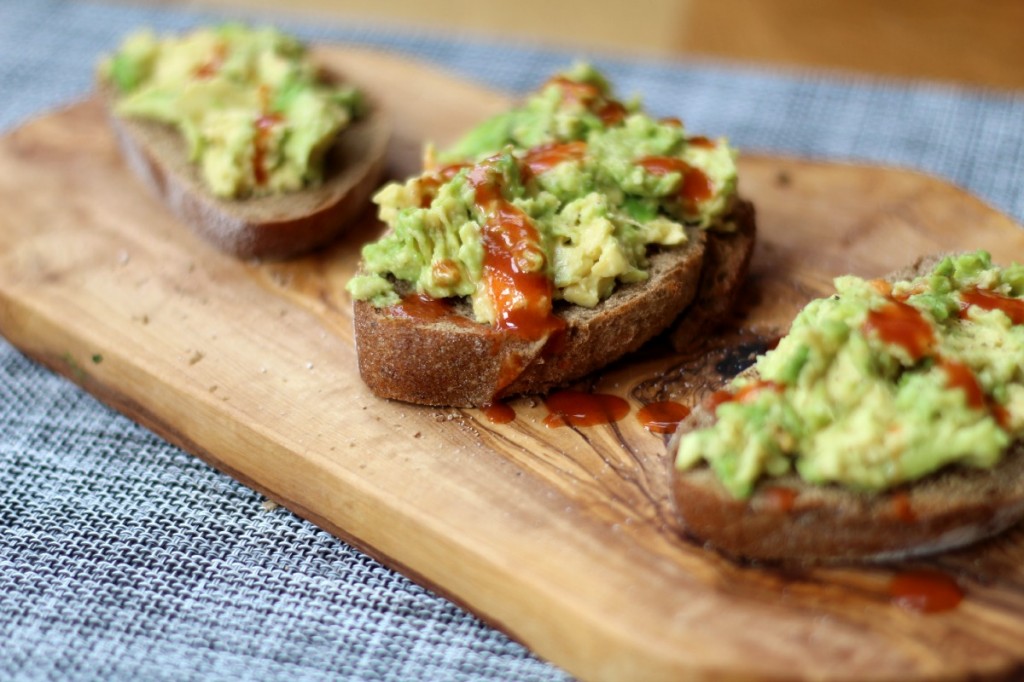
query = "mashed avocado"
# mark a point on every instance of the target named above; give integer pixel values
(250, 106)
(574, 186)
(878, 386)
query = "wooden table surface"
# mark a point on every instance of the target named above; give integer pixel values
(960, 41)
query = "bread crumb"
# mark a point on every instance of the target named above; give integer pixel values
(269, 505)
(309, 365)
(196, 357)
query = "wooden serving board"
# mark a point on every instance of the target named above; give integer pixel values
(563, 537)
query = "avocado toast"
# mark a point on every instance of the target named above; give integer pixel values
(243, 137)
(886, 424)
(548, 242)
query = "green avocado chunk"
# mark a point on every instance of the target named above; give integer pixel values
(255, 114)
(880, 385)
(598, 182)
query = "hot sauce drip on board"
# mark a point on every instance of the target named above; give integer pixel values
(924, 591)
(663, 416)
(576, 408)
(499, 413)
(743, 395)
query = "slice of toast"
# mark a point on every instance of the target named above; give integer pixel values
(789, 520)
(455, 361)
(271, 227)
(726, 261)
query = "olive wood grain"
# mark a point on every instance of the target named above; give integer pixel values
(563, 537)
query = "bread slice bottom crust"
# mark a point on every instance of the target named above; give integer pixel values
(460, 363)
(788, 520)
(726, 262)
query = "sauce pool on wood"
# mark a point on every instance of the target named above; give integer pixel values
(499, 413)
(662, 416)
(924, 591)
(577, 408)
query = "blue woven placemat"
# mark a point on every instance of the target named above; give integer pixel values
(122, 557)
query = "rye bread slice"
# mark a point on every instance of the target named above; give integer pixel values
(454, 361)
(271, 227)
(790, 520)
(726, 261)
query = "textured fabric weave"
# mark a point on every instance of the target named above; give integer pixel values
(122, 557)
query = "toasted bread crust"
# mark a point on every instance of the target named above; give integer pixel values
(726, 261)
(790, 520)
(271, 227)
(464, 364)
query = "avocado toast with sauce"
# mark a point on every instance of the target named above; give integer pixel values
(244, 137)
(550, 241)
(886, 424)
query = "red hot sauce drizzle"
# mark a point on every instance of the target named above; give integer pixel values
(960, 376)
(430, 183)
(264, 123)
(522, 298)
(989, 300)
(210, 67)
(421, 307)
(547, 156)
(902, 325)
(695, 187)
(424, 308)
(779, 498)
(588, 95)
(901, 507)
(701, 141)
